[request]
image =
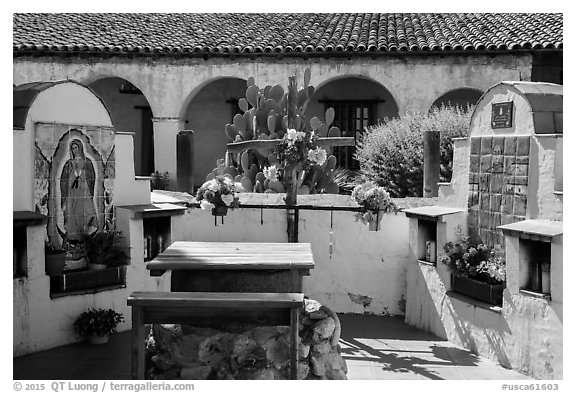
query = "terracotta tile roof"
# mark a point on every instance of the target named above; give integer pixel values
(284, 33)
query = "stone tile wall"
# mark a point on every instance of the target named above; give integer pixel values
(498, 185)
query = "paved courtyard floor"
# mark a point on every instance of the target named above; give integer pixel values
(374, 348)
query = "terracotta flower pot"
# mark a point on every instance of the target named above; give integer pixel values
(55, 263)
(220, 210)
(374, 225)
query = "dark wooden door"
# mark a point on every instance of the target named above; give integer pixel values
(147, 150)
(352, 118)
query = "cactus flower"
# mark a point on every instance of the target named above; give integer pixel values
(291, 134)
(271, 173)
(317, 156)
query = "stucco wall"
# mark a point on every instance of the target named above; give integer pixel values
(169, 84)
(414, 82)
(40, 322)
(363, 263)
(526, 334)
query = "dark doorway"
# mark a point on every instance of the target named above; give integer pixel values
(147, 151)
(352, 117)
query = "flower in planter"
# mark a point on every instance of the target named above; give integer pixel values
(106, 248)
(97, 322)
(475, 261)
(218, 192)
(374, 201)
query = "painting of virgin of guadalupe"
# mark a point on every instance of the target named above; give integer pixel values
(74, 184)
(77, 193)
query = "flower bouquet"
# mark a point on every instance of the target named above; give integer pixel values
(299, 147)
(374, 201)
(219, 194)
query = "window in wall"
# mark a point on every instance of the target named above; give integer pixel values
(156, 236)
(146, 152)
(351, 117)
(535, 258)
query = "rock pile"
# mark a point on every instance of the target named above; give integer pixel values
(187, 352)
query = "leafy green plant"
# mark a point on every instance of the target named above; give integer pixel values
(391, 154)
(97, 322)
(105, 248)
(51, 249)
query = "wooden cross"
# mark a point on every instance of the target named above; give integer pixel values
(268, 146)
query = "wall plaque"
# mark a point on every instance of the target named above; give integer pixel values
(502, 115)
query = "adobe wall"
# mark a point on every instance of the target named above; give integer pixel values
(414, 82)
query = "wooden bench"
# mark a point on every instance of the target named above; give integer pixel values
(200, 308)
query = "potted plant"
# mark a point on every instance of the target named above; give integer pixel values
(159, 181)
(218, 194)
(104, 249)
(98, 324)
(374, 201)
(478, 271)
(55, 259)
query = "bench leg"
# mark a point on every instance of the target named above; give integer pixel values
(294, 343)
(137, 343)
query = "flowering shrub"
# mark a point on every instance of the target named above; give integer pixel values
(374, 200)
(391, 154)
(476, 261)
(97, 322)
(299, 147)
(220, 191)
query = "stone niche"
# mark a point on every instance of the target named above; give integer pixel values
(238, 351)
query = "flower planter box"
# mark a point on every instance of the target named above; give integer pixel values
(88, 279)
(487, 293)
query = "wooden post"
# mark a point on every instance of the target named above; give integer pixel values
(431, 163)
(292, 177)
(185, 161)
(294, 343)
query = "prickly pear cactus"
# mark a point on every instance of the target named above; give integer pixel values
(266, 116)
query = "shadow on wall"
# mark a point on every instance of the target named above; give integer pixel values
(494, 327)
(432, 283)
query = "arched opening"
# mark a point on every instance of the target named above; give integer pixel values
(130, 112)
(207, 114)
(462, 98)
(358, 103)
